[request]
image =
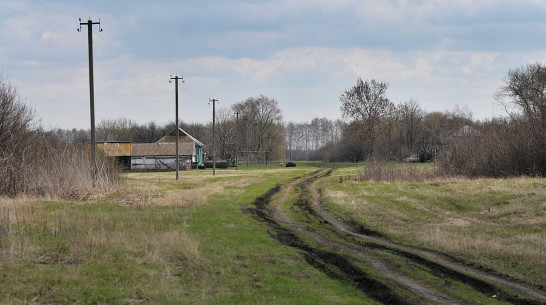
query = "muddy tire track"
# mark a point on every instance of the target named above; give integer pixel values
(338, 249)
(389, 272)
(334, 265)
(438, 263)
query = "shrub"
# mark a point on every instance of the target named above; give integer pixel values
(498, 149)
(33, 163)
(390, 172)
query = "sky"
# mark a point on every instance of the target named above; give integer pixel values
(303, 53)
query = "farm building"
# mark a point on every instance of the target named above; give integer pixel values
(160, 155)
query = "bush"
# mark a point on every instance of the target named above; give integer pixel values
(498, 149)
(33, 163)
(389, 172)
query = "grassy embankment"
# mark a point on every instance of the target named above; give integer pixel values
(158, 241)
(495, 224)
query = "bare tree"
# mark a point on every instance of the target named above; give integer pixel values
(366, 102)
(290, 133)
(17, 128)
(225, 133)
(411, 117)
(261, 117)
(524, 92)
(120, 129)
(38, 163)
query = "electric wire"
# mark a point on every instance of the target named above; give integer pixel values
(54, 9)
(34, 17)
(95, 44)
(68, 27)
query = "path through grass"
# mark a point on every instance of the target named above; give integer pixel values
(160, 242)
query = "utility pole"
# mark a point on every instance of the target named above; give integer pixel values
(89, 25)
(237, 142)
(213, 135)
(247, 146)
(176, 79)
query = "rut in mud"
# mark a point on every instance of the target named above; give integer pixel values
(332, 264)
(340, 249)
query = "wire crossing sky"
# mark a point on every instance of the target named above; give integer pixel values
(302, 53)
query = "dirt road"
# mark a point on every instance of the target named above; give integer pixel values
(387, 272)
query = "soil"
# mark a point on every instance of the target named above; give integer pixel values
(349, 252)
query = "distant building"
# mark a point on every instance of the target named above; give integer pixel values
(465, 131)
(160, 155)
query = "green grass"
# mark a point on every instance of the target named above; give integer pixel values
(148, 244)
(162, 241)
(498, 224)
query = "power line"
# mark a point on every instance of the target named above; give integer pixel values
(54, 9)
(105, 40)
(34, 17)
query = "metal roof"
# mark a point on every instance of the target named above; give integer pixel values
(171, 137)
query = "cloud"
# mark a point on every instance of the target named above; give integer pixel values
(311, 77)
(303, 53)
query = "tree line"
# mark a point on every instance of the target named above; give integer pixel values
(372, 128)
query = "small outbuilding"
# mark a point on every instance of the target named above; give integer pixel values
(160, 155)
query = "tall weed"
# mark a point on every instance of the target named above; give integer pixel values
(49, 168)
(390, 172)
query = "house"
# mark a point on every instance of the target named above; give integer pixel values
(160, 155)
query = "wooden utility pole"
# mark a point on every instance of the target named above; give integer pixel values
(237, 142)
(89, 25)
(176, 79)
(213, 135)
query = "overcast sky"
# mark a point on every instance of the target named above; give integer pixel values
(302, 53)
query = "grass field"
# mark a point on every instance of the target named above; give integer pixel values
(158, 241)
(495, 224)
(161, 241)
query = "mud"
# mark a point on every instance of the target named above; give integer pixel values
(354, 238)
(332, 264)
(437, 267)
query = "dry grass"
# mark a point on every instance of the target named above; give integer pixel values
(381, 171)
(25, 225)
(495, 223)
(193, 188)
(56, 170)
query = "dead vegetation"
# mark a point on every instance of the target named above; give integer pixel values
(494, 223)
(32, 163)
(69, 234)
(193, 189)
(390, 172)
(399, 270)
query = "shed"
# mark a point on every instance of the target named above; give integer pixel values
(184, 137)
(162, 155)
(158, 155)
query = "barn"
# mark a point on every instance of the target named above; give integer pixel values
(160, 155)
